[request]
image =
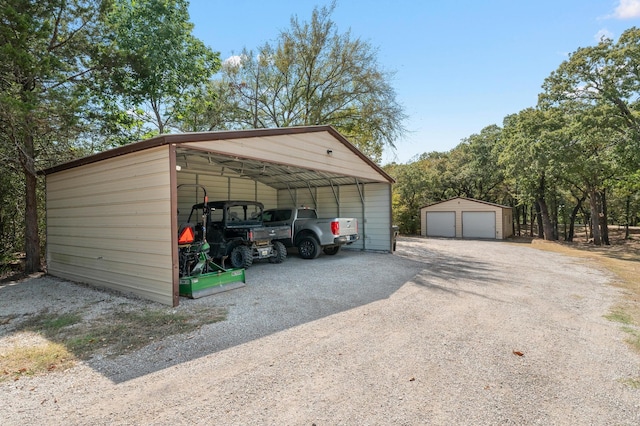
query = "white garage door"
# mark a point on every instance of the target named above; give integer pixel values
(441, 224)
(478, 224)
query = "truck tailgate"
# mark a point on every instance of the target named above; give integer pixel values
(348, 226)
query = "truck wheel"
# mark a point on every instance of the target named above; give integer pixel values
(308, 248)
(279, 252)
(241, 257)
(331, 250)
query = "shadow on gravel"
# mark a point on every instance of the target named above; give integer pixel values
(279, 297)
(276, 298)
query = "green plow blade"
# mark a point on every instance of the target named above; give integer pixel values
(209, 283)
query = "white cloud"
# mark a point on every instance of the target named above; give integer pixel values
(603, 33)
(233, 61)
(627, 9)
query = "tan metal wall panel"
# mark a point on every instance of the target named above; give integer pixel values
(306, 150)
(109, 224)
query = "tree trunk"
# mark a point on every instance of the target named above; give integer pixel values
(553, 218)
(539, 220)
(595, 217)
(32, 238)
(547, 226)
(627, 218)
(572, 220)
(531, 216)
(604, 219)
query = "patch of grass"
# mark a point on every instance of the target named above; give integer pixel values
(113, 334)
(634, 337)
(51, 324)
(632, 383)
(619, 315)
(27, 361)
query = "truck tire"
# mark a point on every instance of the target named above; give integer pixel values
(308, 247)
(331, 250)
(241, 257)
(279, 252)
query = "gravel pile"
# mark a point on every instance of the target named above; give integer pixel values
(442, 332)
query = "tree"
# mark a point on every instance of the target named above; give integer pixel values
(599, 86)
(474, 166)
(315, 75)
(166, 65)
(530, 152)
(408, 194)
(48, 50)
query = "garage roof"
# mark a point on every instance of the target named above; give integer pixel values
(275, 175)
(468, 199)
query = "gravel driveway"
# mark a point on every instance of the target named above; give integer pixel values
(442, 332)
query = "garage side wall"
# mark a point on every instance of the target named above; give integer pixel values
(507, 223)
(109, 223)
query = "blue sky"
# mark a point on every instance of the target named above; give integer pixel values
(460, 65)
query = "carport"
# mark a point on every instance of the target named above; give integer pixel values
(466, 218)
(112, 218)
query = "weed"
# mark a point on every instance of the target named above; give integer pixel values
(112, 334)
(634, 337)
(27, 361)
(619, 315)
(632, 383)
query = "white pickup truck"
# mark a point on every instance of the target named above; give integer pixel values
(311, 234)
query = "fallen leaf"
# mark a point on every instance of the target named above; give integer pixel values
(518, 353)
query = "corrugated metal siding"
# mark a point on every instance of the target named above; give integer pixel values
(374, 217)
(108, 224)
(221, 188)
(299, 197)
(306, 150)
(351, 206)
(377, 214)
(327, 203)
(461, 204)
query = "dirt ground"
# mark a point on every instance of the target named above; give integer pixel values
(474, 332)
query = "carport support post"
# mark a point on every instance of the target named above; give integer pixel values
(173, 200)
(313, 197)
(293, 197)
(361, 192)
(336, 195)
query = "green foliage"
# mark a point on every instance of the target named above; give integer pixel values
(164, 66)
(47, 55)
(314, 75)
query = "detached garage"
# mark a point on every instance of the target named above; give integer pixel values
(112, 218)
(466, 218)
